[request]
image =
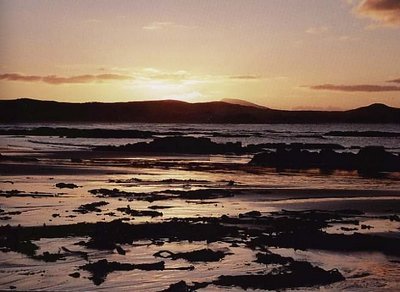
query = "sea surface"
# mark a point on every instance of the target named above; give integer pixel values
(45, 161)
(244, 133)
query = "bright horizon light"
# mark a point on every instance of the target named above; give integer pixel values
(285, 54)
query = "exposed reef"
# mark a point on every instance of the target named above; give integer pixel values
(202, 255)
(201, 194)
(181, 145)
(91, 207)
(202, 145)
(368, 159)
(102, 268)
(251, 230)
(66, 185)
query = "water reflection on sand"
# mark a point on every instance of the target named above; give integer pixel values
(38, 201)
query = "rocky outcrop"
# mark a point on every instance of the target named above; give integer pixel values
(368, 159)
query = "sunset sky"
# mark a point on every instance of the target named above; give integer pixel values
(287, 54)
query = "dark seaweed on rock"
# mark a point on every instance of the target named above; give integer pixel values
(17, 193)
(116, 193)
(289, 274)
(102, 268)
(201, 145)
(156, 207)
(66, 185)
(108, 234)
(135, 213)
(287, 229)
(369, 159)
(12, 242)
(181, 286)
(316, 239)
(91, 207)
(201, 255)
(186, 145)
(300, 274)
(200, 194)
(49, 257)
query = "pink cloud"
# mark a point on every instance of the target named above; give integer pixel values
(54, 79)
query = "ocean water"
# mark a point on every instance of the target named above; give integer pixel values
(222, 133)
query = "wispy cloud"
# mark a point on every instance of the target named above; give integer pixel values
(317, 30)
(56, 80)
(158, 25)
(394, 80)
(384, 12)
(245, 77)
(92, 21)
(355, 88)
(161, 25)
(347, 38)
(134, 76)
(155, 74)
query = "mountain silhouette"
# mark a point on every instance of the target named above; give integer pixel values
(171, 111)
(242, 102)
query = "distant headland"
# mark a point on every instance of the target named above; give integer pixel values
(172, 111)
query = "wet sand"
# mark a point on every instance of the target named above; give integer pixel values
(184, 204)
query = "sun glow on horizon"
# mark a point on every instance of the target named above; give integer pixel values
(281, 55)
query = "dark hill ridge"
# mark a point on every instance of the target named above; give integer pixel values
(171, 111)
(242, 102)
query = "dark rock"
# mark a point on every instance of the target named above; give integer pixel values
(375, 159)
(155, 207)
(49, 257)
(11, 241)
(181, 286)
(102, 268)
(301, 276)
(81, 254)
(116, 193)
(202, 255)
(120, 250)
(75, 275)
(292, 274)
(185, 145)
(348, 229)
(134, 213)
(66, 186)
(369, 159)
(91, 207)
(250, 214)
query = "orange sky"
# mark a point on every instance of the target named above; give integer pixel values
(282, 54)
